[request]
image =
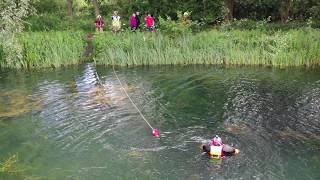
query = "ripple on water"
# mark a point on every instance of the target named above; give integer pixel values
(90, 119)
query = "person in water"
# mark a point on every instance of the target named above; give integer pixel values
(99, 24)
(218, 150)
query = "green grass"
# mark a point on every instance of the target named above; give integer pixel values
(235, 47)
(1, 54)
(51, 49)
(300, 47)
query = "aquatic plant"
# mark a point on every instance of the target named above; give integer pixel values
(289, 48)
(11, 165)
(15, 103)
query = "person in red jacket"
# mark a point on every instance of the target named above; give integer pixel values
(150, 22)
(217, 149)
(99, 24)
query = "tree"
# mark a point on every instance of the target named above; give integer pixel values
(96, 7)
(229, 6)
(69, 7)
(11, 22)
(285, 10)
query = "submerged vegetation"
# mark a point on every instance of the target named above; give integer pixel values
(11, 165)
(15, 103)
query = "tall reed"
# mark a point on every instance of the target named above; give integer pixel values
(51, 49)
(236, 47)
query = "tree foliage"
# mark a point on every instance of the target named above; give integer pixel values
(11, 22)
(208, 11)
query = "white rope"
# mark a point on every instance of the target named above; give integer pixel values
(131, 99)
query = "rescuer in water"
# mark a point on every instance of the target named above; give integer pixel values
(217, 149)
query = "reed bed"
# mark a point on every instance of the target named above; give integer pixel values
(51, 49)
(252, 47)
(300, 47)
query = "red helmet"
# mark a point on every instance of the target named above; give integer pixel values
(216, 141)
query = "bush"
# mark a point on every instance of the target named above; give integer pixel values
(173, 27)
(55, 22)
(182, 26)
(264, 25)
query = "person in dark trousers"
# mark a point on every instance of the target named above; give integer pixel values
(138, 18)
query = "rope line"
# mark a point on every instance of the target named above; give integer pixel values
(131, 99)
(98, 78)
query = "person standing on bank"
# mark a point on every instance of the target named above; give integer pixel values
(116, 23)
(133, 22)
(150, 22)
(99, 23)
(138, 17)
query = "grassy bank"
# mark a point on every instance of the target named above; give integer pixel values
(299, 47)
(48, 49)
(289, 48)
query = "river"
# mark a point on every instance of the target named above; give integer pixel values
(77, 123)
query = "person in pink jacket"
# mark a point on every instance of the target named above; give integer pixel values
(150, 22)
(133, 22)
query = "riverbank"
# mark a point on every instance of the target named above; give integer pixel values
(299, 47)
(235, 47)
(47, 49)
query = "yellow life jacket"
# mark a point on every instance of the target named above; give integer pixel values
(216, 151)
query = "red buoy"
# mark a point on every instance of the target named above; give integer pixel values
(156, 132)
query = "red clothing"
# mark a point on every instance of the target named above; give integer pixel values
(99, 23)
(149, 21)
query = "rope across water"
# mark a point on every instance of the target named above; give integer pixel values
(131, 99)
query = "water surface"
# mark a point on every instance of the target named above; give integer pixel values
(76, 123)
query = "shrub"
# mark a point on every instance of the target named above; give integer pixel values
(56, 22)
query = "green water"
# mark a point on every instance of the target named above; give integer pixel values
(65, 124)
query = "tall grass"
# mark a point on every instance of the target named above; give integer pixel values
(251, 47)
(1, 54)
(235, 47)
(51, 49)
